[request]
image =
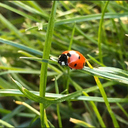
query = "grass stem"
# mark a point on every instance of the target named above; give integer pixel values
(46, 52)
(100, 31)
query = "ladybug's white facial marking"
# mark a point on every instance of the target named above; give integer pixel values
(63, 63)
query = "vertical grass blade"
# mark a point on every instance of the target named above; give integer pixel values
(100, 31)
(71, 40)
(47, 47)
(58, 108)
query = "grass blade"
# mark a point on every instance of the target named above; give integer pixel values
(14, 29)
(46, 52)
(6, 124)
(20, 46)
(81, 123)
(91, 17)
(100, 32)
(105, 98)
(18, 12)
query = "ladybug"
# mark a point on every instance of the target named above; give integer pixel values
(73, 59)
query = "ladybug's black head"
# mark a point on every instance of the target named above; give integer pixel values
(63, 60)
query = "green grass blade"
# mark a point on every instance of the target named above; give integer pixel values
(14, 29)
(46, 52)
(106, 74)
(37, 7)
(6, 124)
(16, 92)
(91, 103)
(100, 31)
(88, 18)
(92, 58)
(106, 101)
(91, 17)
(29, 9)
(15, 111)
(71, 40)
(28, 106)
(20, 46)
(81, 123)
(18, 12)
(32, 96)
(123, 110)
(58, 108)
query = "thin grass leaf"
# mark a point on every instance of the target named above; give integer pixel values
(121, 119)
(46, 53)
(114, 71)
(27, 72)
(105, 98)
(90, 18)
(6, 124)
(32, 96)
(106, 101)
(28, 106)
(92, 58)
(71, 40)
(29, 9)
(18, 109)
(91, 103)
(81, 123)
(72, 96)
(20, 46)
(40, 60)
(100, 32)
(98, 72)
(5, 84)
(87, 18)
(18, 12)
(123, 110)
(14, 29)
(58, 108)
(37, 7)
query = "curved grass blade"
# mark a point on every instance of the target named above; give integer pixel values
(32, 96)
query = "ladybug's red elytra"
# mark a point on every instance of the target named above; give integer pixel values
(73, 59)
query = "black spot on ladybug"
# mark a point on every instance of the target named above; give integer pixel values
(69, 54)
(75, 65)
(79, 57)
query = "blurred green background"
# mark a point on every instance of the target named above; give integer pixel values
(23, 25)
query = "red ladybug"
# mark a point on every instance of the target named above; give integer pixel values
(73, 59)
